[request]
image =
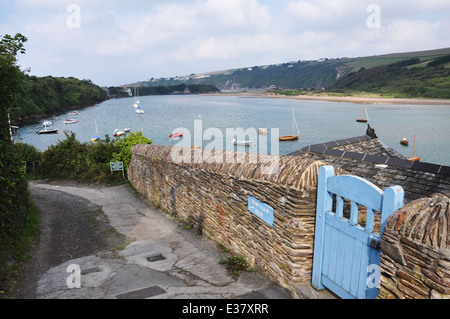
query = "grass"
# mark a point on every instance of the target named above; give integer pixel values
(234, 264)
(13, 254)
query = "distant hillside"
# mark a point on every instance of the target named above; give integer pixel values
(40, 96)
(406, 78)
(178, 89)
(300, 75)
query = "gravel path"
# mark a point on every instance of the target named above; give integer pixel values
(113, 235)
(71, 227)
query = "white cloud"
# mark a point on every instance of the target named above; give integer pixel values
(136, 40)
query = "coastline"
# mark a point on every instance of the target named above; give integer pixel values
(347, 99)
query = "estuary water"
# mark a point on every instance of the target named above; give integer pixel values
(209, 118)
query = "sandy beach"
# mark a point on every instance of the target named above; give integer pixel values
(347, 99)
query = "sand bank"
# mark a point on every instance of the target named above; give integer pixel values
(347, 99)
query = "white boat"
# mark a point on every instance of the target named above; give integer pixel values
(70, 121)
(126, 130)
(245, 143)
(47, 123)
(74, 113)
(139, 111)
(118, 133)
(46, 130)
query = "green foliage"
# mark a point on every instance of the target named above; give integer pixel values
(404, 63)
(84, 162)
(15, 249)
(440, 61)
(180, 88)
(67, 159)
(395, 81)
(235, 264)
(15, 203)
(78, 161)
(39, 95)
(125, 145)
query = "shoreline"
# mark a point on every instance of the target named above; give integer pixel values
(348, 99)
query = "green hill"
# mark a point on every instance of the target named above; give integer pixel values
(48, 95)
(407, 78)
(327, 73)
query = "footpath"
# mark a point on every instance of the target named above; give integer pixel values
(140, 253)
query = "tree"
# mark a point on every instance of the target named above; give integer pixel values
(14, 196)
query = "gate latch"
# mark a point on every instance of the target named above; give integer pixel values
(374, 243)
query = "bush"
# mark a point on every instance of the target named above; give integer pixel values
(67, 159)
(78, 161)
(125, 145)
(84, 162)
(29, 155)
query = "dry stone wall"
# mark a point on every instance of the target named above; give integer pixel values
(415, 260)
(213, 197)
(210, 192)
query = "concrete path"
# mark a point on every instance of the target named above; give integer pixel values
(161, 260)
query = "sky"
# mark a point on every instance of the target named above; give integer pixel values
(119, 42)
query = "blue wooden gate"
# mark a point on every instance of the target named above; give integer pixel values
(347, 255)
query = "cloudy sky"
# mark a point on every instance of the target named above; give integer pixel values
(117, 42)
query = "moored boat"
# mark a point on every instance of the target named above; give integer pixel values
(288, 138)
(70, 121)
(118, 133)
(404, 142)
(242, 143)
(292, 137)
(47, 131)
(366, 117)
(179, 134)
(414, 158)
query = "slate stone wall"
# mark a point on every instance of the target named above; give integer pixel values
(213, 197)
(415, 260)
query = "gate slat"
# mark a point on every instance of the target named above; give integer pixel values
(333, 254)
(365, 261)
(342, 241)
(356, 267)
(348, 255)
(326, 252)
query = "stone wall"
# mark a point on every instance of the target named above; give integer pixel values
(211, 192)
(213, 197)
(415, 261)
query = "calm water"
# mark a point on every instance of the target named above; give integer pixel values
(318, 121)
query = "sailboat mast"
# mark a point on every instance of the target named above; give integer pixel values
(292, 121)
